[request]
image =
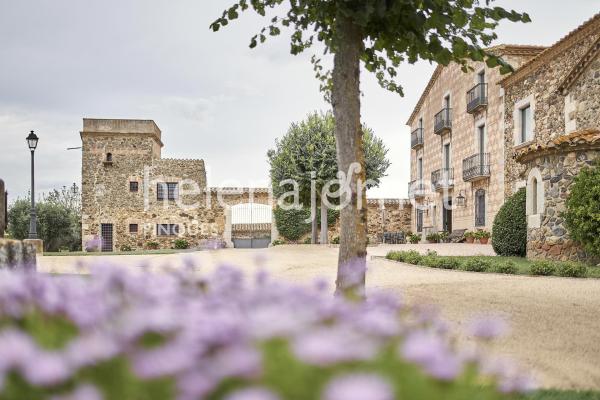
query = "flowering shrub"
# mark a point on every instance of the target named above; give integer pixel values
(124, 334)
(92, 245)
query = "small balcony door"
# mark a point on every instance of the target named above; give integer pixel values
(420, 169)
(447, 216)
(419, 220)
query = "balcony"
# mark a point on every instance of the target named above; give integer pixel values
(443, 178)
(416, 138)
(416, 189)
(476, 167)
(477, 98)
(443, 121)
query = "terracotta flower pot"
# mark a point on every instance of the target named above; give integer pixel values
(483, 240)
(470, 240)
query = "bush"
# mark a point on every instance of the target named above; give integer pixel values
(262, 351)
(510, 227)
(476, 264)
(181, 244)
(307, 240)
(443, 236)
(506, 267)
(125, 247)
(543, 268)
(277, 242)
(335, 240)
(152, 245)
(292, 224)
(449, 263)
(572, 269)
(581, 216)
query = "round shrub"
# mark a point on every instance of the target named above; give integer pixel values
(510, 227)
(181, 244)
(506, 267)
(307, 240)
(335, 240)
(152, 245)
(125, 247)
(572, 269)
(413, 238)
(292, 224)
(582, 217)
(543, 268)
(477, 264)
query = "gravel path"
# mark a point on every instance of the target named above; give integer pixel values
(555, 321)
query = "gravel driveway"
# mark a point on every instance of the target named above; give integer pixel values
(555, 321)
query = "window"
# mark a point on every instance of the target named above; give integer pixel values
(481, 77)
(447, 101)
(420, 168)
(133, 186)
(171, 189)
(167, 229)
(446, 156)
(419, 220)
(421, 123)
(481, 138)
(108, 157)
(525, 117)
(534, 196)
(133, 228)
(480, 207)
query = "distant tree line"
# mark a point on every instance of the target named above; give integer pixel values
(58, 219)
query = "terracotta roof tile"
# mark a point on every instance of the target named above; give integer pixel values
(578, 139)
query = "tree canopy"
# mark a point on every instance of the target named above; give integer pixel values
(393, 31)
(309, 145)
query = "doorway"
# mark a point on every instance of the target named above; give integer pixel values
(447, 216)
(106, 231)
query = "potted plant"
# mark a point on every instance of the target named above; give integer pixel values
(433, 238)
(414, 238)
(469, 237)
(443, 236)
(483, 236)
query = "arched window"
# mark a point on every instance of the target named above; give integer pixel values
(480, 207)
(109, 157)
(534, 196)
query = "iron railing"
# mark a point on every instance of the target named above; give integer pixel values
(477, 166)
(416, 138)
(442, 178)
(416, 189)
(442, 121)
(477, 97)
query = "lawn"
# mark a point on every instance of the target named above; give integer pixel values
(562, 395)
(112, 253)
(524, 265)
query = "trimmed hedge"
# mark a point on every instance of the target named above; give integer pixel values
(510, 227)
(489, 264)
(292, 224)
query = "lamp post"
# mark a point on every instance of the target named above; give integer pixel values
(32, 141)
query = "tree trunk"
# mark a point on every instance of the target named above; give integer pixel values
(324, 221)
(348, 134)
(313, 214)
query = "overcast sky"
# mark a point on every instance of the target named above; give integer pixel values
(212, 97)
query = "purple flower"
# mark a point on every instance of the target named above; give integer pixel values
(433, 354)
(254, 393)
(46, 369)
(84, 392)
(358, 386)
(488, 327)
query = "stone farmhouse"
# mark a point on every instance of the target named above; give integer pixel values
(478, 137)
(457, 140)
(131, 196)
(551, 131)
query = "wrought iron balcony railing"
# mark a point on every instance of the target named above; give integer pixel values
(476, 167)
(477, 97)
(416, 189)
(416, 138)
(442, 121)
(442, 178)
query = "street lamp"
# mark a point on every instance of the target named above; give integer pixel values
(32, 141)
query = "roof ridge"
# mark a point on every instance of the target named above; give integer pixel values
(579, 67)
(535, 62)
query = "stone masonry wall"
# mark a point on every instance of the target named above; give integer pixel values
(551, 240)
(541, 85)
(17, 254)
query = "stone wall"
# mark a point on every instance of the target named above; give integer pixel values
(540, 82)
(387, 215)
(16, 254)
(547, 235)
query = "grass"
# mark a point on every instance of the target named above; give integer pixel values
(562, 395)
(523, 265)
(111, 253)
